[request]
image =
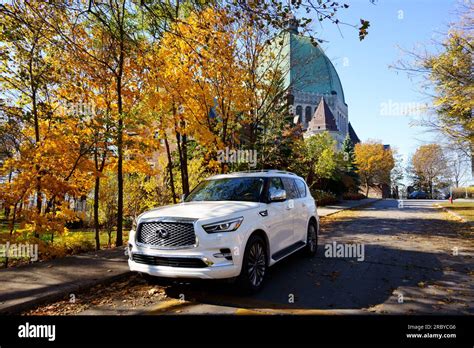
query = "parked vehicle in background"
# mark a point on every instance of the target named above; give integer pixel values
(418, 195)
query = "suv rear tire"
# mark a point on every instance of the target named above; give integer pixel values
(254, 265)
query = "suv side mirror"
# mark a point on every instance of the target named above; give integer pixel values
(183, 197)
(277, 195)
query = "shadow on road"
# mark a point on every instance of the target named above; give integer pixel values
(392, 259)
(322, 283)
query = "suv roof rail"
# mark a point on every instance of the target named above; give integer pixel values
(277, 171)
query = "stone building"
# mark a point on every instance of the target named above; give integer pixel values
(314, 88)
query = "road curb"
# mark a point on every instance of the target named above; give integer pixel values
(326, 312)
(452, 213)
(166, 306)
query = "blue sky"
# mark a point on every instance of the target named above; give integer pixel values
(363, 66)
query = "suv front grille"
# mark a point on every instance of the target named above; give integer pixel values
(166, 235)
(185, 262)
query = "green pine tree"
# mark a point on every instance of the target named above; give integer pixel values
(348, 154)
(349, 161)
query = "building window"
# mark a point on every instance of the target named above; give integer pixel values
(307, 114)
(299, 112)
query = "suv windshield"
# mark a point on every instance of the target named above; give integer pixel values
(228, 189)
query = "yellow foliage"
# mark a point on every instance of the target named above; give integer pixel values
(194, 74)
(374, 163)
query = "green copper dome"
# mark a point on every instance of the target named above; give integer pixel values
(311, 70)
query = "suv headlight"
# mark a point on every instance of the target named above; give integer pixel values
(223, 226)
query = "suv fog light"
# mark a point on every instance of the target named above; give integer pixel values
(207, 261)
(224, 253)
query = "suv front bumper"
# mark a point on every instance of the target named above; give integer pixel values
(214, 256)
(215, 271)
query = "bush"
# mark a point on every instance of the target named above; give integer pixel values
(323, 197)
(76, 243)
(353, 196)
(460, 192)
(70, 243)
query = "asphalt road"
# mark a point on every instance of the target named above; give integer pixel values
(416, 260)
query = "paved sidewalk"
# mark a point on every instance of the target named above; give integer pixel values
(333, 209)
(29, 285)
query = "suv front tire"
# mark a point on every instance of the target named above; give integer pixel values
(311, 240)
(254, 265)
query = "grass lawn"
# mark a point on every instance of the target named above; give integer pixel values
(5, 226)
(72, 242)
(89, 236)
(79, 235)
(75, 241)
(465, 209)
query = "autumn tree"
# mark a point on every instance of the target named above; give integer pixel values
(397, 175)
(374, 163)
(26, 72)
(458, 165)
(451, 74)
(88, 92)
(447, 78)
(113, 51)
(322, 159)
(201, 92)
(49, 161)
(273, 15)
(429, 167)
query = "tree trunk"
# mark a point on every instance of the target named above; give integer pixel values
(170, 168)
(180, 140)
(12, 227)
(7, 207)
(39, 202)
(119, 240)
(96, 212)
(310, 176)
(99, 169)
(185, 165)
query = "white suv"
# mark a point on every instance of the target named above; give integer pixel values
(230, 226)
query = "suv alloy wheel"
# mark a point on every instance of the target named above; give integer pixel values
(254, 266)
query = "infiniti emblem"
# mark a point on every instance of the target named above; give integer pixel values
(162, 233)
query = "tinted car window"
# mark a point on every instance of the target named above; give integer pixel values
(301, 187)
(291, 190)
(228, 189)
(275, 184)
